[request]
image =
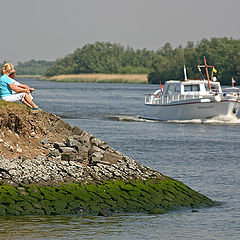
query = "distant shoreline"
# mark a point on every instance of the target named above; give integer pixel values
(97, 78)
(28, 76)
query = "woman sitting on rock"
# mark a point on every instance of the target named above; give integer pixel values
(7, 87)
(18, 84)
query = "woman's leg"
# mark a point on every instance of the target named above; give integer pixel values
(28, 101)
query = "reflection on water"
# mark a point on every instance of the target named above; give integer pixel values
(69, 227)
(173, 225)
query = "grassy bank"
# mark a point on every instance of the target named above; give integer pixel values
(100, 78)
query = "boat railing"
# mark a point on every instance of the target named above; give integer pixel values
(166, 99)
(234, 91)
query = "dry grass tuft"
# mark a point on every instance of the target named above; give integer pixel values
(114, 78)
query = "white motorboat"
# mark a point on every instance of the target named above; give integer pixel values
(191, 99)
(232, 90)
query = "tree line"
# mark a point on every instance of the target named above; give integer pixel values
(103, 57)
(222, 53)
(160, 65)
(32, 67)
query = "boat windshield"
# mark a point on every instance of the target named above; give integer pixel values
(192, 88)
(214, 88)
(170, 89)
(178, 88)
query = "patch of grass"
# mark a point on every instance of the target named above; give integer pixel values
(11, 104)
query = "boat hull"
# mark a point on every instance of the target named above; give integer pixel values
(191, 110)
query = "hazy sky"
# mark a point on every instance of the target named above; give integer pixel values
(50, 29)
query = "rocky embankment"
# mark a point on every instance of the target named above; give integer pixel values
(50, 167)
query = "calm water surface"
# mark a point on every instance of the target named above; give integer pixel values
(203, 155)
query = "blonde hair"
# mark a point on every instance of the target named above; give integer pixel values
(7, 68)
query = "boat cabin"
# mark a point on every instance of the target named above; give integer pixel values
(175, 91)
(191, 87)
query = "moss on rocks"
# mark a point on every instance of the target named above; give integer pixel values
(152, 196)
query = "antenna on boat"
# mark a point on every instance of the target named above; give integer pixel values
(206, 69)
(184, 68)
(185, 72)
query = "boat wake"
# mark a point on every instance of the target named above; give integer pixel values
(128, 118)
(214, 120)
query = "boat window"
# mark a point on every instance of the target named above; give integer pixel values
(192, 88)
(178, 88)
(170, 89)
(213, 88)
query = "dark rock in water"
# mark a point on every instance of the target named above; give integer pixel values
(106, 212)
(78, 210)
(157, 211)
(194, 211)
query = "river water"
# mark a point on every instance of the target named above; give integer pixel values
(202, 154)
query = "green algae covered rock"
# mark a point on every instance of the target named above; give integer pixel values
(151, 196)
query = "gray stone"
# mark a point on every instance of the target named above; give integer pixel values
(19, 150)
(69, 156)
(85, 137)
(67, 149)
(83, 151)
(97, 149)
(111, 157)
(64, 125)
(44, 141)
(97, 155)
(12, 172)
(104, 146)
(6, 144)
(87, 144)
(77, 131)
(58, 145)
(85, 159)
(99, 143)
(71, 142)
(96, 160)
(32, 134)
(11, 148)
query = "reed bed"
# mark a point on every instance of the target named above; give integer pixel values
(104, 78)
(28, 76)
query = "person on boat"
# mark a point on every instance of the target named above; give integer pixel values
(7, 88)
(18, 84)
